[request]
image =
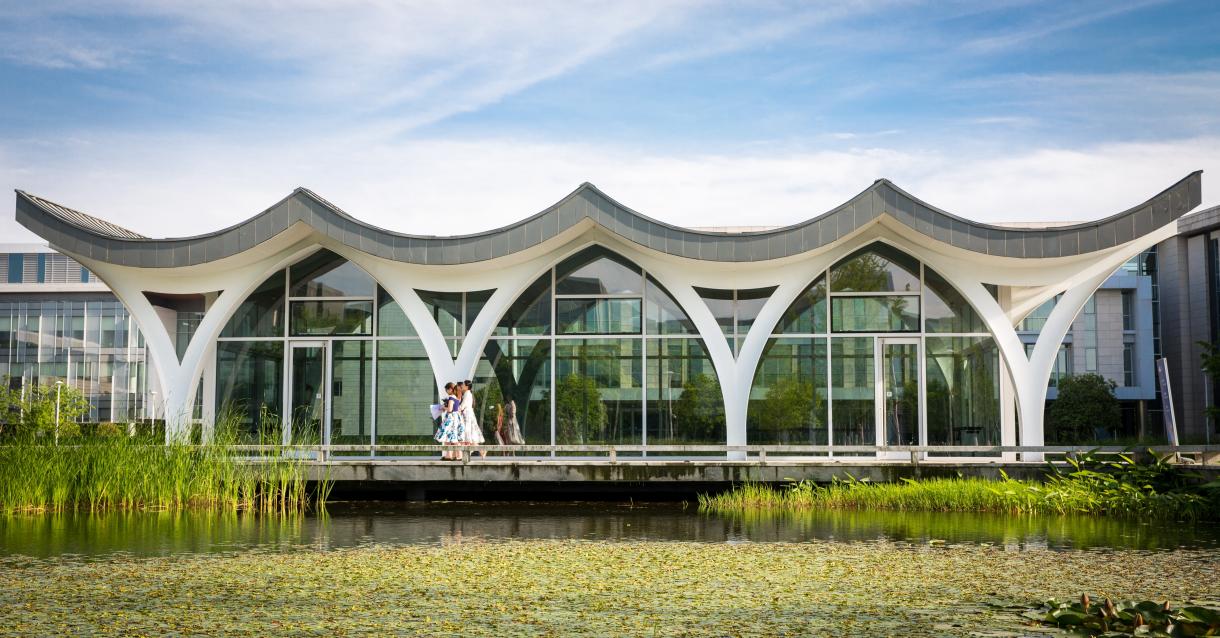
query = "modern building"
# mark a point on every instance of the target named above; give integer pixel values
(58, 321)
(883, 321)
(1189, 313)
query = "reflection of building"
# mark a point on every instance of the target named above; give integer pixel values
(883, 321)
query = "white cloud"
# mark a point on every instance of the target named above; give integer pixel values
(402, 64)
(190, 185)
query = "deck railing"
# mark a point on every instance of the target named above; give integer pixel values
(1200, 454)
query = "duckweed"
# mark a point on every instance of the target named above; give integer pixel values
(573, 588)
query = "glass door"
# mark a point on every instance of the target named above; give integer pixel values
(307, 405)
(898, 392)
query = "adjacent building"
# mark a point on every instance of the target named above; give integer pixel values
(58, 321)
(884, 321)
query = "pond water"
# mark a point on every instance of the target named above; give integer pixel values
(579, 569)
(393, 523)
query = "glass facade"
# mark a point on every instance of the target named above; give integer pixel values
(877, 349)
(890, 354)
(91, 344)
(346, 368)
(735, 310)
(597, 352)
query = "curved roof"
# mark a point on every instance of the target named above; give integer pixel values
(91, 237)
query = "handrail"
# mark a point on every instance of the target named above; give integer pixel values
(782, 449)
(813, 449)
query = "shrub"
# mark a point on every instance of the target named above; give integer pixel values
(1085, 405)
(110, 429)
(31, 412)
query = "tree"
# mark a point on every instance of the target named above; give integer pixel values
(865, 272)
(32, 412)
(1085, 405)
(579, 411)
(699, 411)
(788, 408)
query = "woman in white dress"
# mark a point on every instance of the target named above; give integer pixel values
(473, 433)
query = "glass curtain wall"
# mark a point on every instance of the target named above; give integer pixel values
(322, 341)
(597, 352)
(91, 344)
(817, 381)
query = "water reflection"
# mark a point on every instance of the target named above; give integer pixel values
(443, 523)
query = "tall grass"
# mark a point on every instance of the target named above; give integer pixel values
(118, 473)
(1123, 489)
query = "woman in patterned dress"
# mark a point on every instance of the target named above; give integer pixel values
(450, 431)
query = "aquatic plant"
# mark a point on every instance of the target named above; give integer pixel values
(460, 587)
(136, 473)
(1121, 487)
(1127, 618)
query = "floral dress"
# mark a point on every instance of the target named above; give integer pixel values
(451, 430)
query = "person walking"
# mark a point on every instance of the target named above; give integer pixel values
(512, 431)
(451, 430)
(473, 434)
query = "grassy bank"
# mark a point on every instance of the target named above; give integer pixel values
(580, 588)
(1123, 488)
(118, 473)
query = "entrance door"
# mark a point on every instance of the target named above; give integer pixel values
(898, 392)
(307, 404)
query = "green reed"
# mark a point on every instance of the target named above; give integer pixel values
(1122, 488)
(122, 473)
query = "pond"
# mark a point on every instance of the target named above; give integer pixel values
(510, 568)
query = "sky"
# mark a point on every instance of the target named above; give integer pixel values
(178, 118)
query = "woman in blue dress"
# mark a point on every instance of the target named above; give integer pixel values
(450, 431)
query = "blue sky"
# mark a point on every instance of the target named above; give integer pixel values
(175, 118)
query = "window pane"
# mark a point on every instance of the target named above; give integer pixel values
(446, 310)
(749, 304)
(332, 318)
(598, 316)
(530, 314)
(807, 314)
(598, 394)
(852, 394)
(325, 274)
(720, 303)
(963, 391)
(946, 310)
(405, 390)
(262, 313)
(391, 320)
(685, 405)
(665, 316)
(874, 314)
(249, 390)
(351, 391)
(1034, 321)
(788, 396)
(877, 268)
(511, 391)
(597, 271)
(474, 305)
(306, 394)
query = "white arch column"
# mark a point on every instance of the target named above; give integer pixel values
(179, 380)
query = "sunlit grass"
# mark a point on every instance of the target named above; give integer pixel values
(1084, 492)
(138, 474)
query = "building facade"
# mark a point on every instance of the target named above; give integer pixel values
(885, 321)
(59, 322)
(1189, 313)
